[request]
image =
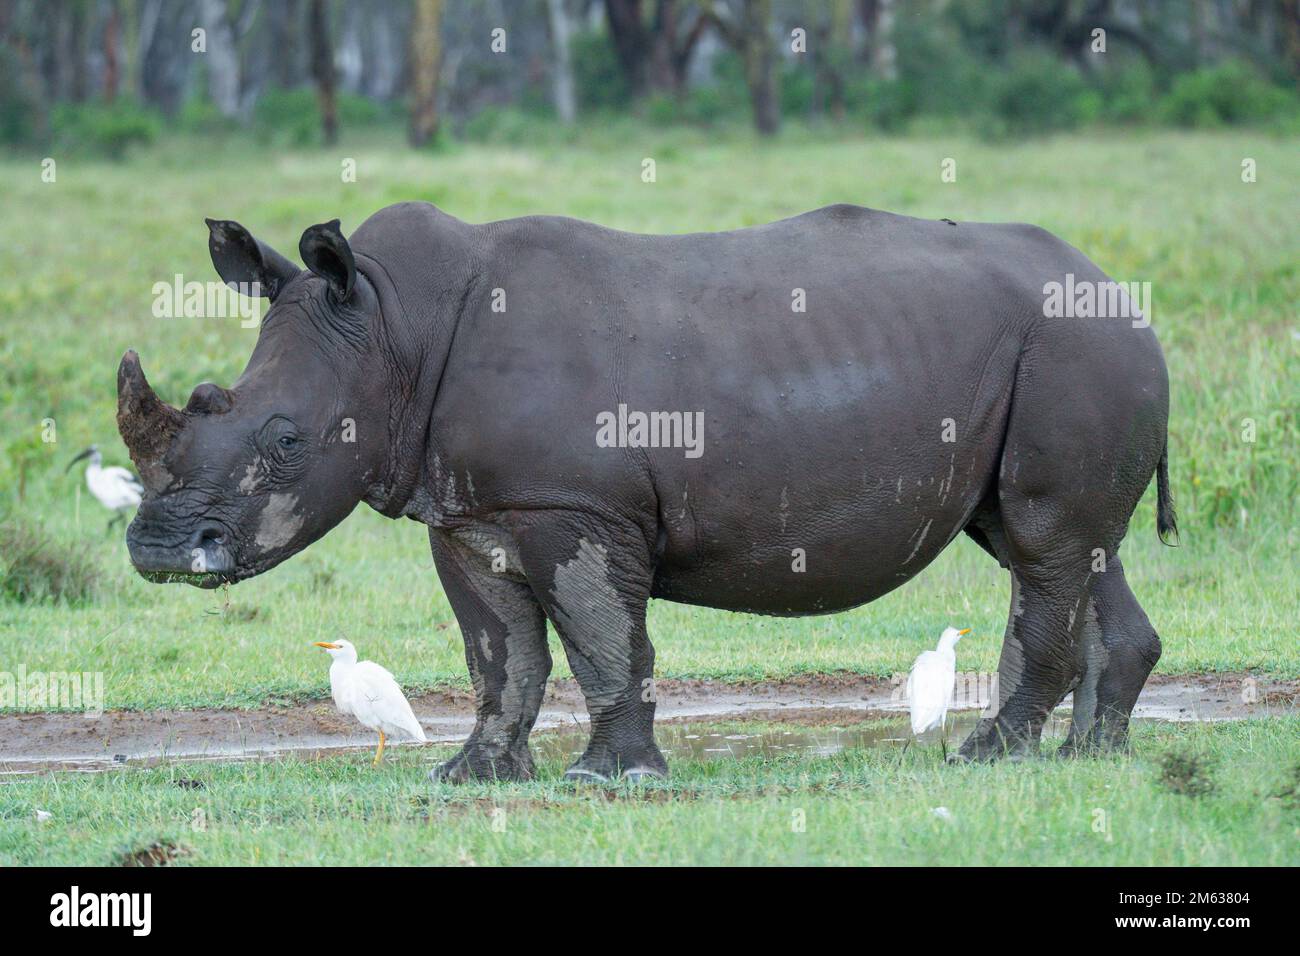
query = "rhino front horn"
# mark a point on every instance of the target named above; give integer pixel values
(147, 423)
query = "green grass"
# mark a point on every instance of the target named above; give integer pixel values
(861, 806)
(83, 253)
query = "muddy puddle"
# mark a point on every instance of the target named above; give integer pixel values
(706, 741)
(818, 715)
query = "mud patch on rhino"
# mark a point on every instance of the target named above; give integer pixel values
(590, 613)
(278, 524)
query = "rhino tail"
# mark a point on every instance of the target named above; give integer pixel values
(1166, 519)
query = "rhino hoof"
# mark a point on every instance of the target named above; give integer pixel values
(582, 775)
(450, 772)
(642, 774)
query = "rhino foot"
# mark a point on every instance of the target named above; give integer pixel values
(604, 767)
(990, 741)
(475, 762)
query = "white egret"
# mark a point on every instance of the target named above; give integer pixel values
(115, 488)
(370, 694)
(930, 685)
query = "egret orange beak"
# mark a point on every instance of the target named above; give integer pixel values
(327, 645)
(966, 631)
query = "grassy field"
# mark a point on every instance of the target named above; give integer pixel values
(84, 252)
(1223, 256)
(1231, 801)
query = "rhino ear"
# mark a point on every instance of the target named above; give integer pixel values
(242, 260)
(328, 254)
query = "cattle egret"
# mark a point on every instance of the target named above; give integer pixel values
(115, 488)
(930, 685)
(370, 694)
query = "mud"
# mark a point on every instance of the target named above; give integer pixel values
(824, 708)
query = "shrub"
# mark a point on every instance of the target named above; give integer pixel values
(1128, 93)
(18, 120)
(1037, 93)
(886, 106)
(510, 126)
(293, 116)
(662, 109)
(937, 73)
(705, 105)
(35, 568)
(596, 73)
(199, 115)
(1230, 93)
(109, 129)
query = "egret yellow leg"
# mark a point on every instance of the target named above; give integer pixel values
(379, 754)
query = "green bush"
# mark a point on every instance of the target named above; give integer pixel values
(796, 88)
(293, 116)
(662, 109)
(886, 106)
(511, 126)
(109, 129)
(18, 124)
(1228, 94)
(596, 73)
(1128, 93)
(1037, 93)
(937, 73)
(35, 568)
(706, 106)
(199, 115)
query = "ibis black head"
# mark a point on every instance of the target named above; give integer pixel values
(89, 452)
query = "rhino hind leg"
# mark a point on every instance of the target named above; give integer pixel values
(1120, 648)
(593, 577)
(509, 662)
(1056, 524)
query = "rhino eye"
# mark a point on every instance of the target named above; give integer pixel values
(288, 441)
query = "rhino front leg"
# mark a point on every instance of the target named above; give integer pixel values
(505, 647)
(593, 578)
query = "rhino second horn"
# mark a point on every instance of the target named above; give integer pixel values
(147, 423)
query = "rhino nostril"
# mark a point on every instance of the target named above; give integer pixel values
(210, 536)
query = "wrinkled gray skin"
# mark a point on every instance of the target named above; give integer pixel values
(823, 436)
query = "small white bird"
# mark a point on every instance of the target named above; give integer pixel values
(370, 694)
(930, 685)
(115, 488)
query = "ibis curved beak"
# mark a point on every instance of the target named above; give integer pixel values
(85, 454)
(964, 631)
(327, 645)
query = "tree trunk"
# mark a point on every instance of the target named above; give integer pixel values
(322, 71)
(759, 54)
(112, 32)
(838, 54)
(285, 29)
(1291, 35)
(426, 60)
(878, 21)
(222, 58)
(566, 105)
(631, 42)
(77, 49)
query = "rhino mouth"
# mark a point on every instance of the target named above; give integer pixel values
(201, 558)
(206, 580)
(206, 559)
